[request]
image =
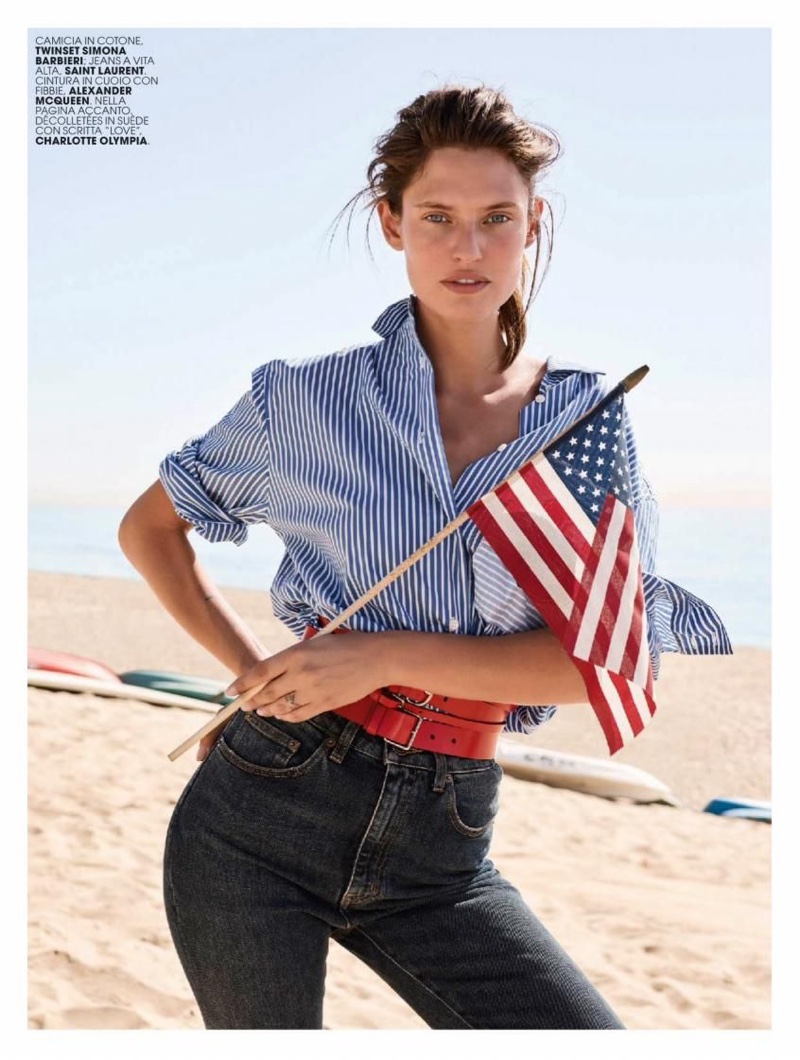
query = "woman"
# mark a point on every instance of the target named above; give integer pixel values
(322, 810)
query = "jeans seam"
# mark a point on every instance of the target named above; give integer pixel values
(411, 975)
(343, 900)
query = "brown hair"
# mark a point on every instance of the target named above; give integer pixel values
(461, 116)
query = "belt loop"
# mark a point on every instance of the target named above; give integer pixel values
(441, 773)
(346, 737)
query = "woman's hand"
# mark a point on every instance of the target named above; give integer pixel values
(314, 676)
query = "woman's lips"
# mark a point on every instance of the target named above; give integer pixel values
(465, 288)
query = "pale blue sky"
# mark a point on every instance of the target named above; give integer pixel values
(160, 275)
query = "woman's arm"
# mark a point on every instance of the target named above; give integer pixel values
(154, 539)
(529, 667)
(328, 671)
(221, 482)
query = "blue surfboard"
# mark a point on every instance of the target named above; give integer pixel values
(753, 809)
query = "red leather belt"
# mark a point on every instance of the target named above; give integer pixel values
(411, 718)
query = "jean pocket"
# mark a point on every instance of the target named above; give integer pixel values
(273, 748)
(473, 798)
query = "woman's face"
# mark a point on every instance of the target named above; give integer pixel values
(464, 217)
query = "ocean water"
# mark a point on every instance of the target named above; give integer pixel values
(720, 554)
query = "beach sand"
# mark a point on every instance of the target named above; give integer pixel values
(667, 909)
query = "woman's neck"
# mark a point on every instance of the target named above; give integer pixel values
(466, 356)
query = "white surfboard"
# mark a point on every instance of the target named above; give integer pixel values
(61, 682)
(595, 776)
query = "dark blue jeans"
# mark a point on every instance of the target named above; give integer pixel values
(289, 835)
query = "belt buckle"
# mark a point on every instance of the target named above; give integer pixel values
(406, 746)
(407, 699)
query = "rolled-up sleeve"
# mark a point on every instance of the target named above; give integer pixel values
(219, 481)
(677, 620)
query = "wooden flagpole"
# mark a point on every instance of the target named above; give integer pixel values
(627, 384)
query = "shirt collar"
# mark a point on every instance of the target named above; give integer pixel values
(558, 368)
(393, 318)
(401, 314)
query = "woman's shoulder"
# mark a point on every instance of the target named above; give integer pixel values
(332, 361)
(321, 384)
(356, 361)
(332, 369)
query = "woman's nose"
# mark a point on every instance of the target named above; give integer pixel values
(467, 243)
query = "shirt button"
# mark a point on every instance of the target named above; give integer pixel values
(539, 399)
(502, 446)
(453, 624)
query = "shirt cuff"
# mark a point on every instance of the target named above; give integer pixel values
(193, 504)
(524, 719)
(680, 621)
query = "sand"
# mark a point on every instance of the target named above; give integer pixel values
(667, 909)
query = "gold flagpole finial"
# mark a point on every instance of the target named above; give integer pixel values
(634, 377)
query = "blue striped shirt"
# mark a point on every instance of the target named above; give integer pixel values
(342, 455)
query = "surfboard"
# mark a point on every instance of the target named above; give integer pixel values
(754, 809)
(67, 663)
(751, 813)
(594, 776)
(64, 682)
(179, 684)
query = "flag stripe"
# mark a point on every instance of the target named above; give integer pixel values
(634, 702)
(615, 693)
(603, 710)
(592, 638)
(554, 551)
(643, 674)
(521, 558)
(560, 505)
(637, 647)
(623, 643)
(623, 648)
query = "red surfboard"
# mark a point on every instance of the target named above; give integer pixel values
(64, 663)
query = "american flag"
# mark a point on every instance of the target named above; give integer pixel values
(563, 525)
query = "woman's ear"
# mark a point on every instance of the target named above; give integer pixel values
(533, 221)
(390, 225)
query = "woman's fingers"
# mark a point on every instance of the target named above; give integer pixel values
(262, 673)
(263, 687)
(269, 698)
(303, 713)
(278, 700)
(319, 673)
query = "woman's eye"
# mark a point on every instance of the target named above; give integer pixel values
(437, 218)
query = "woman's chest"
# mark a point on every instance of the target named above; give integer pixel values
(466, 438)
(472, 430)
